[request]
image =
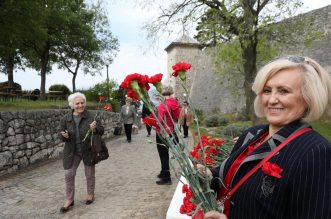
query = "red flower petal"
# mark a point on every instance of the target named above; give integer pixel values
(272, 170)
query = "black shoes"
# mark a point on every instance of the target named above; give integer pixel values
(164, 177)
(65, 209)
(89, 201)
(129, 141)
(163, 174)
(164, 181)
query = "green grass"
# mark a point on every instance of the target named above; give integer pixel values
(35, 105)
(324, 128)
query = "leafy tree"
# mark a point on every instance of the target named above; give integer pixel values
(101, 89)
(246, 25)
(86, 42)
(19, 24)
(41, 53)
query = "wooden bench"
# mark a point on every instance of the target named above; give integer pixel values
(56, 95)
(28, 95)
(6, 96)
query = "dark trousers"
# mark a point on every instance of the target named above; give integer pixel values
(185, 129)
(149, 129)
(163, 149)
(128, 131)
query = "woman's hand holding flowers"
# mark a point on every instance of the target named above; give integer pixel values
(214, 215)
(203, 170)
(93, 126)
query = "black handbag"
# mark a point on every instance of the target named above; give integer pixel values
(118, 130)
(99, 149)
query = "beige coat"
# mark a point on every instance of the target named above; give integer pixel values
(188, 116)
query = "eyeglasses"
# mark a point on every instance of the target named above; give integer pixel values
(297, 59)
(301, 59)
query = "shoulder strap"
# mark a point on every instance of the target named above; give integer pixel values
(270, 155)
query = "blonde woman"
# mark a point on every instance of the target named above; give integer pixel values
(294, 182)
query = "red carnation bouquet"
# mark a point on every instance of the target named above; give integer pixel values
(200, 195)
(207, 150)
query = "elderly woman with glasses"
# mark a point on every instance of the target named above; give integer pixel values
(281, 169)
(73, 128)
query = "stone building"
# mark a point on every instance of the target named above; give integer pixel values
(213, 92)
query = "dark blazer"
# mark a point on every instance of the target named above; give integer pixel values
(68, 123)
(304, 191)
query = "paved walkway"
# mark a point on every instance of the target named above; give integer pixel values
(125, 186)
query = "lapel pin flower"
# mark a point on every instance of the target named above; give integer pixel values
(272, 170)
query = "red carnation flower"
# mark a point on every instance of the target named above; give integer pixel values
(133, 94)
(272, 169)
(180, 69)
(108, 107)
(156, 81)
(101, 98)
(150, 120)
(156, 78)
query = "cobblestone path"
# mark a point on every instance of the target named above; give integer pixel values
(125, 186)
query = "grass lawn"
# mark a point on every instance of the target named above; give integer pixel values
(324, 128)
(35, 105)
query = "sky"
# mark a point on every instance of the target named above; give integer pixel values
(126, 19)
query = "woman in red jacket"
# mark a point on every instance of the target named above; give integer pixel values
(168, 113)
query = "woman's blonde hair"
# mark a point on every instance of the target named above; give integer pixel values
(315, 89)
(73, 96)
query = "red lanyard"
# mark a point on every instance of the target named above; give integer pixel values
(260, 164)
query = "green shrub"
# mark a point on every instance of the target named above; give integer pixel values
(199, 114)
(211, 121)
(234, 131)
(60, 87)
(223, 121)
(101, 89)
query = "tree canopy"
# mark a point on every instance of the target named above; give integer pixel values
(39, 33)
(241, 29)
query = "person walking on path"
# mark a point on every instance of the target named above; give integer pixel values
(168, 111)
(146, 112)
(185, 118)
(128, 116)
(74, 126)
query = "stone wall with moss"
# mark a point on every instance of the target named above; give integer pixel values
(28, 137)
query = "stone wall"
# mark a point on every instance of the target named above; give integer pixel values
(27, 137)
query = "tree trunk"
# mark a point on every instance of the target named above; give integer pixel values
(74, 77)
(44, 62)
(10, 70)
(74, 82)
(248, 41)
(249, 56)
